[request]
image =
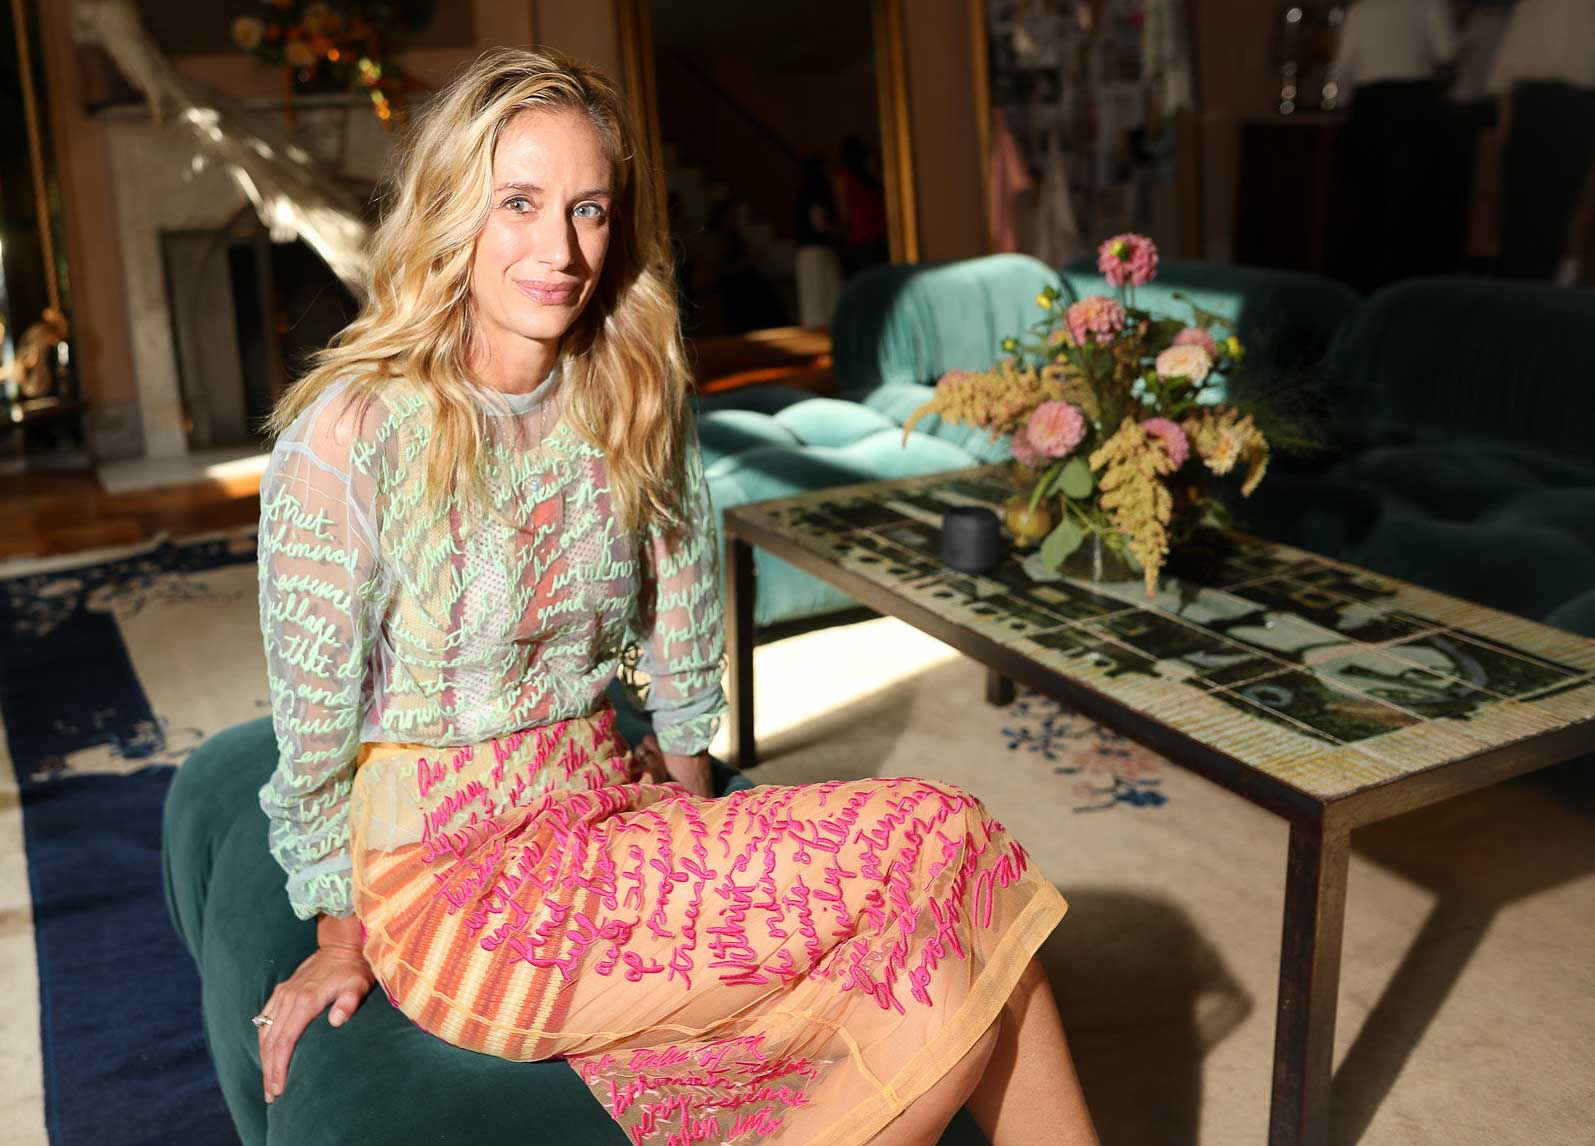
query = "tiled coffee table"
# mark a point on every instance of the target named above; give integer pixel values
(1327, 694)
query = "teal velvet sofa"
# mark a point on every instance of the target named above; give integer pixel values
(1463, 415)
(1463, 411)
(897, 329)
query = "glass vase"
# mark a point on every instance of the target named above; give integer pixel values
(1097, 560)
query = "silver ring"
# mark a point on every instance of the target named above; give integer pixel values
(261, 1021)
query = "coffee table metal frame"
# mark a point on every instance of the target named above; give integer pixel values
(1320, 829)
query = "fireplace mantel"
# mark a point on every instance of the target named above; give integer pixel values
(162, 181)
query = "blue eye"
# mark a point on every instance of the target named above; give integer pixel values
(598, 211)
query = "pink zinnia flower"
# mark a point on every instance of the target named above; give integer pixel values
(1095, 319)
(1024, 453)
(1055, 429)
(1196, 336)
(1129, 259)
(1189, 361)
(1169, 435)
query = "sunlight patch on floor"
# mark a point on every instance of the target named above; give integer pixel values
(804, 677)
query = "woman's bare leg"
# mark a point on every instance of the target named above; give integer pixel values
(1030, 1092)
(928, 1115)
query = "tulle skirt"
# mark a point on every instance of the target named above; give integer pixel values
(782, 965)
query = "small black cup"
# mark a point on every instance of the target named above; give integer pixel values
(971, 539)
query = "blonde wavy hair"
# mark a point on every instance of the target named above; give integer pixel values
(625, 373)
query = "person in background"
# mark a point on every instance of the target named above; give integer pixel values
(817, 227)
(863, 203)
(1544, 78)
(1475, 146)
(1480, 29)
(1391, 63)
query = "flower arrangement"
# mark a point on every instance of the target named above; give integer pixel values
(1112, 413)
(344, 45)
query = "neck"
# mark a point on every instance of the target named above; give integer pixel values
(514, 364)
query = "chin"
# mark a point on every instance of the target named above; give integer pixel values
(546, 322)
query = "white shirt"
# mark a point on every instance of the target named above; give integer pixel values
(1547, 40)
(1394, 40)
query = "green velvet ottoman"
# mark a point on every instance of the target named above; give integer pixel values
(378, 1079)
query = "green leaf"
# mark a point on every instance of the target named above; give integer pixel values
(1075, 479)
(1061, 542)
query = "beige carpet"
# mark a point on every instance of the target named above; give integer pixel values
(1467, 1006)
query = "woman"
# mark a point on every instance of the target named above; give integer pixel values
(486, 488)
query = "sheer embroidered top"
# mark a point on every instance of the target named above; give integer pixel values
(385, 620)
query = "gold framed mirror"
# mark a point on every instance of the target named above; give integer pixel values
(37, 382)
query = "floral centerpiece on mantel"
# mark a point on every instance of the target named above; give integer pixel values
(337, 45)
(1113, 412)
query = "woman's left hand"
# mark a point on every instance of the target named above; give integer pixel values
(694, 773)
(336, 974)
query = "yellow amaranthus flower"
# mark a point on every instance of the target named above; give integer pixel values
(1221, 436)
(998, 400)
(1130, 466)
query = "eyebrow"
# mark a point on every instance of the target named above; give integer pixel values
(591, 193)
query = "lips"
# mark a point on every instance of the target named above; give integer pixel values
(546, 293)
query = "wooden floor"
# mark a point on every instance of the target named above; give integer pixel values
(50, 513)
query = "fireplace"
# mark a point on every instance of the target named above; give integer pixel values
(246, 314)
(221, 318)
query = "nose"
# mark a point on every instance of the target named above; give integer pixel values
(554, 241)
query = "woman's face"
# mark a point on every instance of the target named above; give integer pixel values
(540, 254)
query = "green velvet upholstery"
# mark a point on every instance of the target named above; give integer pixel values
(1464, 413)
(379, 1078)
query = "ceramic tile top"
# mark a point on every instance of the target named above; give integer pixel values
(1325, 676)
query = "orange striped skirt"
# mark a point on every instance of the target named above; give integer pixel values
(782, 965)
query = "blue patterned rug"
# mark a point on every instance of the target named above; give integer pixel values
(88, 652)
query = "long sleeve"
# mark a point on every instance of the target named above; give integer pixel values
(681, 619)
(322, 590)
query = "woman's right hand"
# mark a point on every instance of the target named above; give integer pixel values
(336, 975)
